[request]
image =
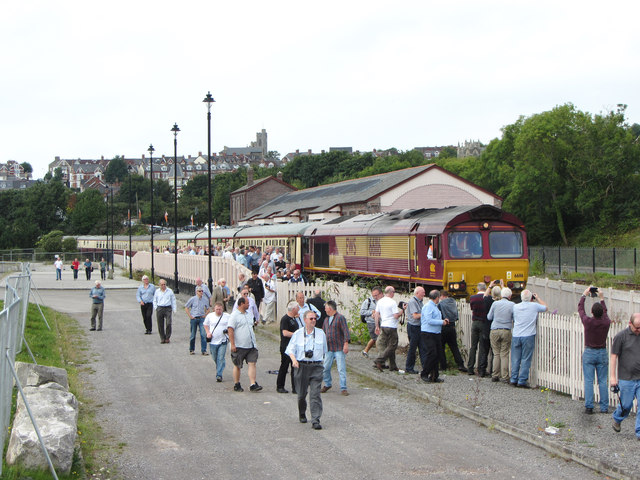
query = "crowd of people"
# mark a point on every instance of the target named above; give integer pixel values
(314, 335)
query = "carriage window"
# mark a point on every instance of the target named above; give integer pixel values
(505, 244)
(433, 248)
(465, 245)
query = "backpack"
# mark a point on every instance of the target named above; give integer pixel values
(363, 318)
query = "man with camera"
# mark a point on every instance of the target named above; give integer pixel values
(595, 358)
(430, 330)
(523, 340)
(625, 371)
(449, 309)
(306, 349)
(289, 324)
(215, 324)
(386, 316)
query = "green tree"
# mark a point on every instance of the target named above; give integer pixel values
(27, 167)
(69, 245)
(51, 242)
(448, 152)
(89, 213)
(116, 170)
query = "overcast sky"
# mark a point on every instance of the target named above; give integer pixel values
(85, 79)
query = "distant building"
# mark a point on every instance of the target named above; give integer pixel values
(470, 148)
(254, 194)
(256, 149)
(12, 170)
(430, 152)
(428, 186)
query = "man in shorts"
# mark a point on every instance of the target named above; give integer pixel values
(366, 310)
(242, 340)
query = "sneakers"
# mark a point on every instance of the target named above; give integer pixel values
(238, 388)
(344, 393)
(364, 354)
(616, 426)
(282, 390)
(412, 372)
(204, 354)
(192, 352)
(316, 426)
(255, 387)
(588, 410)
(325, 389)
(218, 379)
(303, 418)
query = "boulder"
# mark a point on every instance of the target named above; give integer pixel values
(31, 375)
(56, 414)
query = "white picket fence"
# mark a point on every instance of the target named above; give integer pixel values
(557, 361)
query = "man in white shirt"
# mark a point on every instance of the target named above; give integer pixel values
(164, 303)
(215, 324)
(386, 316)
(243, 344)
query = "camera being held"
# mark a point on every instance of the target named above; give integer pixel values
(592, 291)
(308, 353)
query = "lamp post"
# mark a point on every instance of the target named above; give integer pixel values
(175, 131)
(209, 100)
(129, 216)
(151, 150)
(113, 227)
(106, 203)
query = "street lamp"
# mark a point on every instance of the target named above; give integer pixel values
(175, 131)
(209, 100)
(106, 204)
(151, 150)
(113, 227)
(130, 188)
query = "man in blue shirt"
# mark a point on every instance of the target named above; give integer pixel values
(164, 303)
(430, 328)
(306, 349)
(97, 305)
(144, 296)
(197, 308)
(523, 340)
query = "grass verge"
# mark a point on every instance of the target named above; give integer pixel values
(64, 346)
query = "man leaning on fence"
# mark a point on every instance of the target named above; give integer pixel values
(594, 358)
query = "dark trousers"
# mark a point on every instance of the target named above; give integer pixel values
(87, 272)
(285, 363)
(415, 342)
(450, 337)
(163, 317)
(309, 377)
(75, 273)
(147, 314)
(480, 344)
(433, 345)
(387, 344)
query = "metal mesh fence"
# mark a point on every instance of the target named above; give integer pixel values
(616, 261)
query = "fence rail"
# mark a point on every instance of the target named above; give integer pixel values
(617, 261)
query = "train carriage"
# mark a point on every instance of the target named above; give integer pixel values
(452, 248)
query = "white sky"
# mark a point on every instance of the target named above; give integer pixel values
(83, 79)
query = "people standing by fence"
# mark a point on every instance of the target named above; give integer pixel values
(501, 315)
(595, 359)
(523, 339)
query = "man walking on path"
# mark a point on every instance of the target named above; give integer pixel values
(595, 358)
(97, 305)
(306, 349)
(337, 332)
(366, 310)
(625, 371)
(386, 315)
(242, 340)
(144, 296)
(215, 325)
(197, 308)
(164, 303)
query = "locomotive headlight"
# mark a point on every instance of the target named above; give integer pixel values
(485, 225)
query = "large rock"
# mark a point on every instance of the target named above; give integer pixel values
(31, 375)
(56, 414)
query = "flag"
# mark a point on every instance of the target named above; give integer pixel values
(129, 215)
(192, 220)
(166, 216)
(139, 214)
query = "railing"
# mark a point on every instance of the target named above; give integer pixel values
(12, 324)
(618, 261)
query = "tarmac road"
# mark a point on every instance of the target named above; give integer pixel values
(177, 423)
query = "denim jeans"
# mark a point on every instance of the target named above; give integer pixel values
(341, 362)
(58, 274)
(521, 354)
(415, 342)
(218, 353)
(628, 390)
(596, 360)
(198, 323)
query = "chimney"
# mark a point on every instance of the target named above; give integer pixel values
(249, 176)
(297, 151)
(279, 175)
(322, 151)
(309, 152)
(199, 154)
(101, 157)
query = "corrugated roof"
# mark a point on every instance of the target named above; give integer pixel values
(323, 198)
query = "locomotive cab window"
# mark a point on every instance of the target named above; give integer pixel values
(432, 246)
(505, 244)
(465, 245)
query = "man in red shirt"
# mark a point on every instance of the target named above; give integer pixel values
(595, 358)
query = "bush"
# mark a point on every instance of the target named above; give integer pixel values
(51, 242)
